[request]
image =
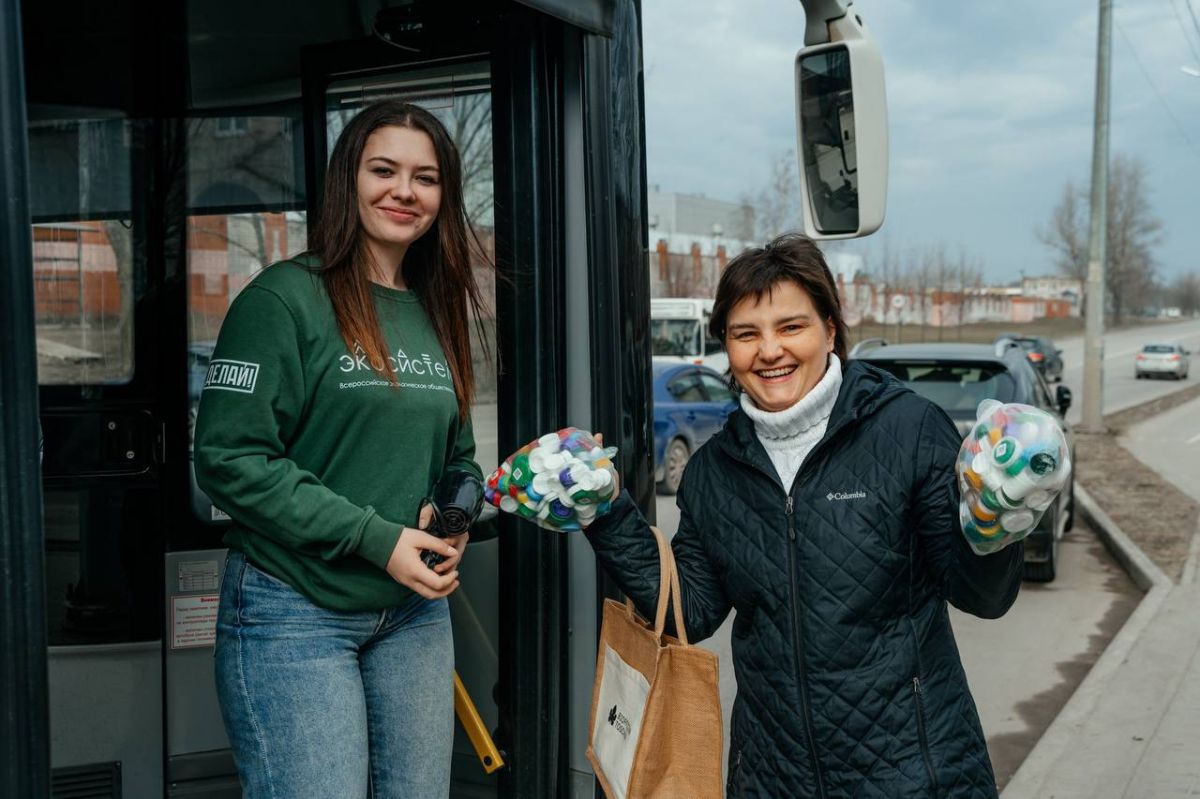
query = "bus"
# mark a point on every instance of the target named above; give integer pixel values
(155, 156)
(679, 332)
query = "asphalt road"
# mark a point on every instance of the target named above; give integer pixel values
(1169, 443)
(1121, 389)
(1022, 668)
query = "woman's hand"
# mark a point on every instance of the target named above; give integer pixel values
(406, 567)
(459, 542)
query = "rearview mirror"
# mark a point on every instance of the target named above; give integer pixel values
(1062, 398)
(841, 126)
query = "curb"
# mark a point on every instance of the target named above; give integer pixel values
(1056, 742)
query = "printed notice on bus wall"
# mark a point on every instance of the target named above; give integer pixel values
(193, 621)
(199, 575)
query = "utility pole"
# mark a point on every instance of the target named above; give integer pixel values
(1093, 339)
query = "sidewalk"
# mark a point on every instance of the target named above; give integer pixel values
(1132, 729)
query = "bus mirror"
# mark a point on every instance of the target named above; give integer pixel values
(841, 125)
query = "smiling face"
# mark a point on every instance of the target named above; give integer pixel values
(778, 345)
(399, 194)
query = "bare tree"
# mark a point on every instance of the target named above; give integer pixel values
(776, 208)
(1184, 293)
(1132, 233)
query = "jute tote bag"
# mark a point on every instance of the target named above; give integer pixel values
(656, 708)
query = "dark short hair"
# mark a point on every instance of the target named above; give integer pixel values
(791, 257)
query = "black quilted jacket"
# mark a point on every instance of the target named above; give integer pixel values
(849, 680)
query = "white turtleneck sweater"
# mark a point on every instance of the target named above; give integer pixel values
(789, 435)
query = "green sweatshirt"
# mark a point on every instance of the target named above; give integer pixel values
(318, 459)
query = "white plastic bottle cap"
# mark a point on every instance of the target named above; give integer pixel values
(1017, 521)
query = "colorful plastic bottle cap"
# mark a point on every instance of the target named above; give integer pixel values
(1006, 498)
(564, 477)
(989, 531)
(550, 442)
(1017, 521)
(560, 510)
(988, 497)
(1007, 449)
(554, 462)
(521, 473)
(982, 514)
(532, 492)
(1016, 466)
(526, 512)
(585, 497)
(973, 478)
(509, 504)
(1043, 463)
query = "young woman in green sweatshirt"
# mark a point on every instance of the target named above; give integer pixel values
(337, 396)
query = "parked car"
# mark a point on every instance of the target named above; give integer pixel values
(1041, 352)
(691, 402)
(1164, 358)
(958, 377)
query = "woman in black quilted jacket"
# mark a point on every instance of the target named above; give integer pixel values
(826, 514)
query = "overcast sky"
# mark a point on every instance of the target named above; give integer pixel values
(990, 112)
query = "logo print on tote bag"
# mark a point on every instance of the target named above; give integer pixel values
(615, 736)
(619, 721)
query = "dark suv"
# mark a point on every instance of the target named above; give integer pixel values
(1041, 352)
(958, 377)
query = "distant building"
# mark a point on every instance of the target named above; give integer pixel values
(1064, 289)
(692, 238)
(671, 213)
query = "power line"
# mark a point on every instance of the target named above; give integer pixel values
(1192, 14)
(1183, 26)
(1157, 93)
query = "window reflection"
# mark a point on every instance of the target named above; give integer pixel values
(246, 198)
(82, 250)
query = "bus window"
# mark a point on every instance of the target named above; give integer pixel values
(245, 212)
(82, 249)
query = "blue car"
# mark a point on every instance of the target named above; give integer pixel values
(690, 404)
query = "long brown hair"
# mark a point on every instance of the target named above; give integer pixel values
(755, 272)
(437, 266)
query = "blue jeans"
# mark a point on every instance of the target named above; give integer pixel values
(322, 703)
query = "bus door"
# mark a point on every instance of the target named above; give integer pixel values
(459, 93)
(529, 100)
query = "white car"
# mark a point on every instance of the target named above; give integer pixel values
(1163, 358)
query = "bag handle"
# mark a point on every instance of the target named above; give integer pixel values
(668, 586)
